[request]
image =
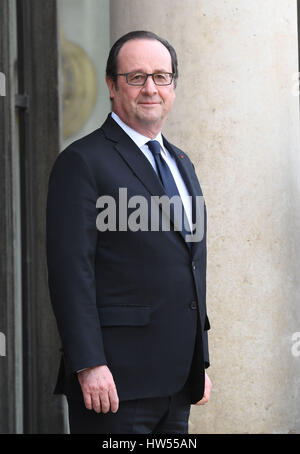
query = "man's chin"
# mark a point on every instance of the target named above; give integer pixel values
(149, 117)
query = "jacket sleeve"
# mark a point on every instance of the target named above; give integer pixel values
(205, 350)
(71, 248)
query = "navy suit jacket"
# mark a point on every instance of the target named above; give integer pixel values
(132, 300)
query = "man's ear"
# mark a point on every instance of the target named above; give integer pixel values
(111, 87)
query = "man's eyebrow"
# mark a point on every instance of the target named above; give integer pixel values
(155, 71)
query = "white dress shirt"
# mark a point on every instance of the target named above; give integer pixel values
(141, 142)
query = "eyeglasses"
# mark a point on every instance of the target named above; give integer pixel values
(139, 79)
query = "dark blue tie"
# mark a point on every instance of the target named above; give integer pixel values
(168, 181)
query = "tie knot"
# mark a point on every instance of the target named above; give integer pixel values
(154, 147)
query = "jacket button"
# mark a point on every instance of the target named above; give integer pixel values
(193, 305)
(193, 265)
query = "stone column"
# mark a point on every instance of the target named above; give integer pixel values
(236, 115)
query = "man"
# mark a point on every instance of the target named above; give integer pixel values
(129, 303)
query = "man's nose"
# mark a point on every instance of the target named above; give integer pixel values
(149, 86)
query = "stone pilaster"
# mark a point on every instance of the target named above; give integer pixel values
(236, 115)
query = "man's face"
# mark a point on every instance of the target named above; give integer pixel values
(142, 108)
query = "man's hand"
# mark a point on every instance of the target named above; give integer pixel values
(207, 390)
(99, 389)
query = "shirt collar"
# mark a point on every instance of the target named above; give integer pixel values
(139, 139)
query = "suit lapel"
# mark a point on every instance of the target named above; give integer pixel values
(142, 168)
(133, 156)
(189, 179)
(182, 163)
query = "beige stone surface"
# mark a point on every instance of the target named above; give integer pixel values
(236, 115)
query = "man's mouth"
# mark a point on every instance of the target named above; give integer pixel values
(149, 103)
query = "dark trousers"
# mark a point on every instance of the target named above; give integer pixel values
(158, 415)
